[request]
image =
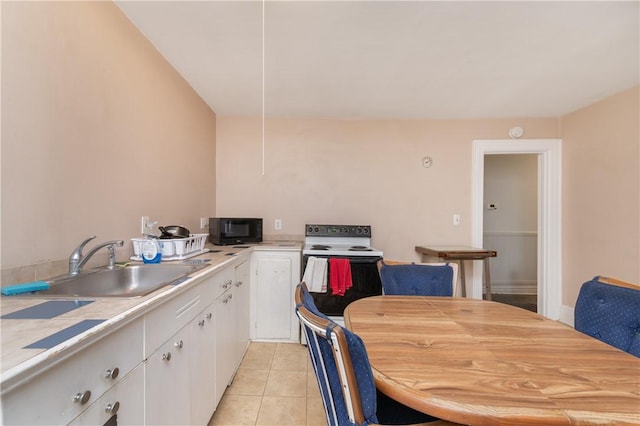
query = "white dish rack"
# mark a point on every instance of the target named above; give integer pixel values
(174, 248)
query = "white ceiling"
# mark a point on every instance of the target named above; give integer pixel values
(397, 59)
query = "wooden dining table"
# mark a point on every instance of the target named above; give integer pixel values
(479, 362)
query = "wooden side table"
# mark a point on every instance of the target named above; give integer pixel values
(460, 254)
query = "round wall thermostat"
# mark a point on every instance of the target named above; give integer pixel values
(516, 132)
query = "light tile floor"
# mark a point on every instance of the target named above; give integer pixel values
(275, 385)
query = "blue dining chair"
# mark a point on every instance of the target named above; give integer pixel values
(419, 279)
(609, 310)
(344, 375)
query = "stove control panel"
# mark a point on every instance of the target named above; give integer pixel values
(338, 230)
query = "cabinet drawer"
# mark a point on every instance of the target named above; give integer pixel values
(221, 281)
(49, 397)
(171, 316)
(125, 399)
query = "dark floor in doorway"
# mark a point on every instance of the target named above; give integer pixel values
(525, 301)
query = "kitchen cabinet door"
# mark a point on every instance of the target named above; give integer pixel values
(274, 276)
(167, 382)
(242, 310)
(224, 320)
(202, 368)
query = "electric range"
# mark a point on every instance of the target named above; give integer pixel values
(351, 242)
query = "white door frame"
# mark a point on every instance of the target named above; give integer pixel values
(549, 214)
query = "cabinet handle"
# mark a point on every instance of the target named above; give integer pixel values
(166, 357)
(112, 374)
(178, 344)
(82, 397)
(209, 315)
(227, 299)
(239, 283)
(201, 323)
(112, 409)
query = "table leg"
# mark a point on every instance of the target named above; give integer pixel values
(487, 278)
(463, 280)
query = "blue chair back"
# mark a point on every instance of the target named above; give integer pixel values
(419, 279)
(609, 310)
(341, 365)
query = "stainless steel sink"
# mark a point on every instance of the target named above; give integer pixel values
(129, 281)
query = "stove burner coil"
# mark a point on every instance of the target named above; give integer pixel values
(359, 248)
(320, 247)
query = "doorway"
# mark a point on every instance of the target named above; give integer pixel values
(549, 273)
(510, 227)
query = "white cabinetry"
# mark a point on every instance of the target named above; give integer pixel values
(187, 375)
(124, 400)
(243, 298)
(224, 320)
(274, 275)
(63, 392)
(202, 373)
(168, 366)
(167, 382)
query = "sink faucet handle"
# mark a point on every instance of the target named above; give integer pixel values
(78, 250)
(76, 256)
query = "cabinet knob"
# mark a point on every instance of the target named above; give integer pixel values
(112, 409)
(112, 373)
(201, 323)
(209, 315)
(82, 397)
(166, 357)
(179, 344)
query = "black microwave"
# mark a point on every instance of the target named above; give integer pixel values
(235, 230)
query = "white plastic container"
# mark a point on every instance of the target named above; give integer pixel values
(151, 251)
(173, 248)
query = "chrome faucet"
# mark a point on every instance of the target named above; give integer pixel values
(77, 260)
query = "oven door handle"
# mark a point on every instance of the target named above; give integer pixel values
(363, 259)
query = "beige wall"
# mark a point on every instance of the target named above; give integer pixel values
(97, 130)
(358, 172)
(601, 192)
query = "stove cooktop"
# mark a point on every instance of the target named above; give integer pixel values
(339, 240)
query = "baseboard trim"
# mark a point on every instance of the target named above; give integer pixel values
(514, 287)
(566, 315)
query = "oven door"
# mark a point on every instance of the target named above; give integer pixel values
(365, 279)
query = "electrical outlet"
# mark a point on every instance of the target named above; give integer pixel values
(144, 223)
(278, 225)
(456, 219)
(204, 223)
